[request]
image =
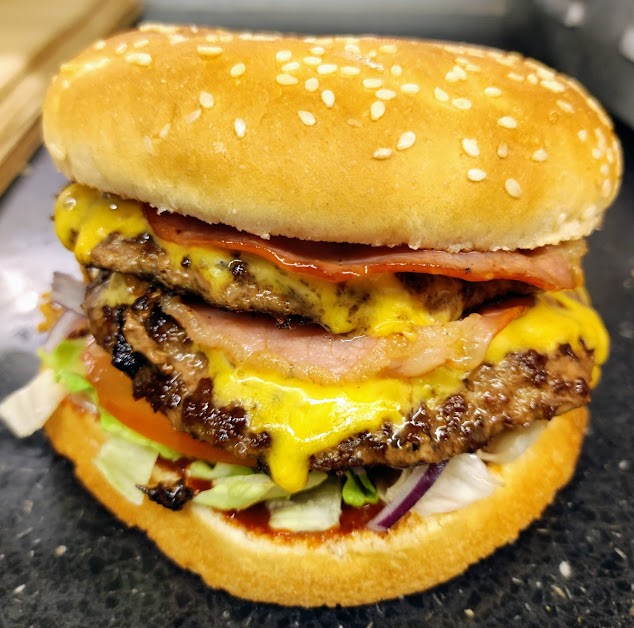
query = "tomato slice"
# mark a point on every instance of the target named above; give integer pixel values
(115, 395)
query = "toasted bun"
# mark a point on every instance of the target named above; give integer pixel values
(364, 566)
(376, 141)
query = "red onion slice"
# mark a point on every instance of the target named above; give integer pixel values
(67, 323)
(416, 485)
(68, 292)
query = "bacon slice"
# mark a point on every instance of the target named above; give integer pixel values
(549, 267)
(313, 354)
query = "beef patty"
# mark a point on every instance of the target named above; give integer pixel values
(171, 373)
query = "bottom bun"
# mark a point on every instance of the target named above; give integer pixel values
(357, 568)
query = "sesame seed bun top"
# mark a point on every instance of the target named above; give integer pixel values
(369, 140)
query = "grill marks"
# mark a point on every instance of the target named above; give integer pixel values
(173, 376)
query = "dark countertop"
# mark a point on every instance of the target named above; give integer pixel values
(64, 560)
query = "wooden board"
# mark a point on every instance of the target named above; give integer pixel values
(36, 37)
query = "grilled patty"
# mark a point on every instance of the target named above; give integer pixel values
(167, 369)
(243, 282)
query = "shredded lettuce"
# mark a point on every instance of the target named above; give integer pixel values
(65, 361)
(241, 491)
(112, 425)
(26, 410)
(310, 511)
(202, 470)
(358, 489)
(125, 465)
(464, 480)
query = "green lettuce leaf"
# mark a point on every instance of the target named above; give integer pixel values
(358, 490)
(310, 511)
(125, 464)
(241, 491)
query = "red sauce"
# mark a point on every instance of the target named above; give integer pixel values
(256, 520)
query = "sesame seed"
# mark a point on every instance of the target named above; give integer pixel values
(410, 88)
(211, 37)
(507, 122)
(459, 72)
(553, 86)
(240, 127)
(582, 135)
(545, 73)
(193, 116)
(597, 153)
(472, 67)
(396, 70)
(461, 103)
(164, 131)
(610, 155)
(328, 97)
(318, 50)
(156, 27)
(462, 61)
(121, 48)
(148, 144)
(382, 153)
(503, 150)
(406, 140)
(350, 70)
(377, 109)
(326, 68)
(352, 48)
(605, 170)
(176, 38)
(139, 58)
(441, 94)
(492, 92)
(452, 77)
(354, 122)
(282, 56)
(306, 117)
(476, 174)
(606, 188)
(566, 106)
(291, 67)
(287, 79)
(564, 569)
(532, 79)
(99, 45)
(312, 84)
(385, 94)
(238, 70)
(209, 51)
(312, 60)
(388, 48)
(470, 146)
(513, 188)
(372, 83)
(514, 76)
(141, 43)
(206, 100)
(539, 155)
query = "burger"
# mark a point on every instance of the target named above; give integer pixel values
(333, 344)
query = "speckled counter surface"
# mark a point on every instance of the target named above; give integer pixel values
(65, 561)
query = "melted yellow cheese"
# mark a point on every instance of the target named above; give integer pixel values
(304, 418)
(376, 305)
